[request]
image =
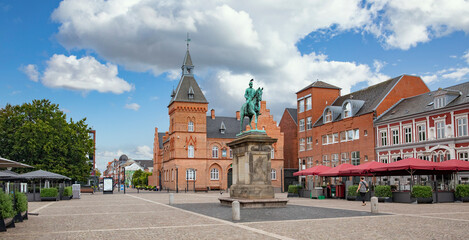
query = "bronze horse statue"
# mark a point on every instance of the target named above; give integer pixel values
(252, 111)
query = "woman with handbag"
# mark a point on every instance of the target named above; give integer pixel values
(363, 188)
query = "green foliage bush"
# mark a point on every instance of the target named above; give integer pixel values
(68, 191)
(49, 192)
(422, 191)
(352, 191)
(21, 202)
(462, 190)
(294, 188)
(383, 191)
(6, 205)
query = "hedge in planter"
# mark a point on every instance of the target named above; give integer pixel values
(383, 191)
(6, 206)
(294, 189)
(68, 191)
(49, 194)
(352, 192)
(21, 208)
(422, 193)
(462, 192)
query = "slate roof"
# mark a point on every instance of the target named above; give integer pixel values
(319, 84)
(371, 96)
(7, 174)
(421, 103)
(182, 91)
(231, 127)
(160, 139)
(293, 113)
(144, 163)
(41, 174)
(187, 59)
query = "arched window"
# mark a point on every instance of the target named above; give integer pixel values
(190, 151)
(190, 174)
(214, 152)
(273, 174)
(347, 110)
(214, 174)
(328, 117)
(190, 126)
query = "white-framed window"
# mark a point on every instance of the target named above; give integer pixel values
(231, 153)
(463, 155)
(383, 159)
(324, 139)
(302, 144)
(355, 158)
(223, 152)
(308, 103)
(407, 134)
(344, 157)
(214, 152)
(440, 129)
(273, 174)
(272, 153)
(440, 102)
(302, 125)
(384, 137)
(310, 161)
(190, 126)
(423, 157)
(309, 143)
(214, 174)
(347, 110)
(190, 151)
(365, 132)
(343, 136)
(335, 159)
(328, 117)
(356, 134)
(325, 161)
(422, 133)
(462, 126)
(301, 105)
(350, 134)
(335, 138)
(309, 123)
(172, 174)
(190, 174)
(395, 136)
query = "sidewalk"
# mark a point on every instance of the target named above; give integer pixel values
(147, 215)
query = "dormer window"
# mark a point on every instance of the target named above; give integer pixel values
(347, 110)
(190, 94)
(440, 102)
(222, 128)
(328, 117)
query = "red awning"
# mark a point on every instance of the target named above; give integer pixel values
(312, 171)
(362, 168)
(406, 164)
(454, 165)
(336, 171)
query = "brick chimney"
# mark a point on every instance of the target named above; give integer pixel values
(238, 115)
(212, 113)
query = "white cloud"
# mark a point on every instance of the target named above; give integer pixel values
(466, 56)
(31, 71)
(457, 74)
(144, 152)
(429, 78)
(132, 106)
(139, 153)
(84, 74)
(378, 65)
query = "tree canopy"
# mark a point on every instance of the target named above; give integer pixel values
(38, 134)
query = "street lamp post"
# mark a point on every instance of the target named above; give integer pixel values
(177, 182)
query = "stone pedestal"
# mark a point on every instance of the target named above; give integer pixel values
(252, 171)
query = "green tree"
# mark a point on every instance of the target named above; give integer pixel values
(136, 177)
(38, 134)
(97, 173)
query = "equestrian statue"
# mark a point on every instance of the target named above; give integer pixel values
(252, 106)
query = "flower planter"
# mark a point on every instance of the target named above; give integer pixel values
(384, 199)
(463, 199)
(293, 195)
(49, 198)
(6, 223)
(66, 197)
(425, 200)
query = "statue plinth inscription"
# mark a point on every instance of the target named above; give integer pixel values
(251, 166)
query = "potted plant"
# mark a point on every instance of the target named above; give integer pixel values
(67, 195)
(352, 193)
(7, 212)
(293, 190)
(423, 194)
(383, 193)
(462, 192)
(49, 194)
(21, 207)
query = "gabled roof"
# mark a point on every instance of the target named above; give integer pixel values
(144, 163)
(372, 96)
(232, 127)
(182, 91)
(319, 84)
(423, 103)
(160, 139)
(293, 113)
(41, 174)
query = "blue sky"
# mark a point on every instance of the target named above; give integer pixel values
(115, 62)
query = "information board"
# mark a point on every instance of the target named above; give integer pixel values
(107, 182)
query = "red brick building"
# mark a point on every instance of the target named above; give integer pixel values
(193, 153)
(334, 129)
(431, 126)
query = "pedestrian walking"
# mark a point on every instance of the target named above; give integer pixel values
(363, 188)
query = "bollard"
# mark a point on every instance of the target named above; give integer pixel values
(171, 198)
(236, 211)
(374, 205)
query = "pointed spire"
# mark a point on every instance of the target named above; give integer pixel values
(187, 66)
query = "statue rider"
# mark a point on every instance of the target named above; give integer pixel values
(249, 95)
